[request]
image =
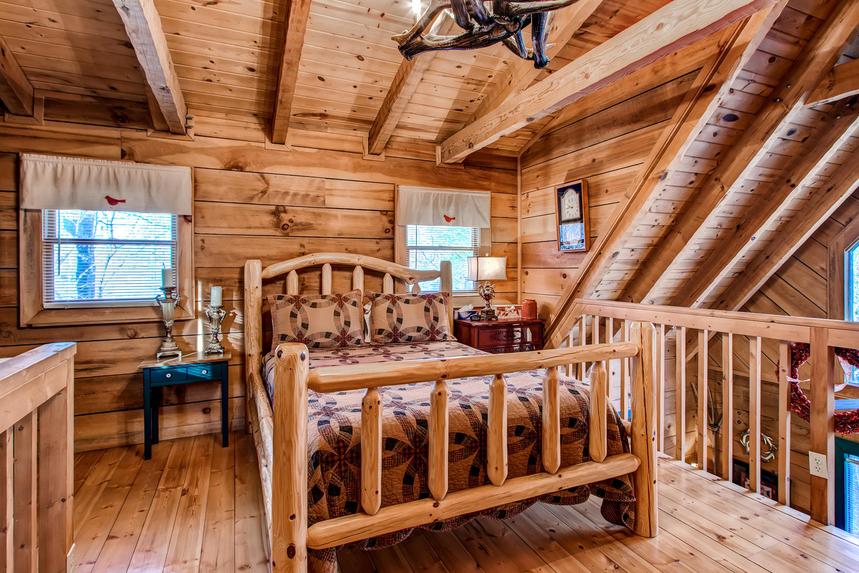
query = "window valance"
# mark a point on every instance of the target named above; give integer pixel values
(419, 206)
(55, 182)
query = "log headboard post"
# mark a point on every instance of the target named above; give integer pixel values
(253, 324)
(447, 286)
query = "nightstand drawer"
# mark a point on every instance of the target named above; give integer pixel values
(201, 372)
(168, 375)
(500, 336)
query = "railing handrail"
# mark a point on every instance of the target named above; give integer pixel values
(363, 376)
(777, 327)
(19, 372)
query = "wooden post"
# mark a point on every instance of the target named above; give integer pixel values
(7, 503)
(551, 422)
(496, 454)
(783, 424)
(253, 330)
(292, 287)
(703, 370)
(371, 452)
(680, 394)
(822, 424)
(388, 284)
(438, 441)
(358, 279)
(660, 386)
(755, 413)
(325, 285)
(289, 469)
(728, 406)
(598, 427)
(624, 375)
(644, 432)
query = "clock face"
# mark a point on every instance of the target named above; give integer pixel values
(570, 207)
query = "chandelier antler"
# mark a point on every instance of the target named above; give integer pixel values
(482, 27)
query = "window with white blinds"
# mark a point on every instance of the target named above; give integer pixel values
(428, 245)
(106, 258)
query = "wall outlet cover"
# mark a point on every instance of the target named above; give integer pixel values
(817, 465)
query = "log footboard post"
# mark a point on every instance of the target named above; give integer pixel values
(289, 471)
(253, 329)
(644, 430)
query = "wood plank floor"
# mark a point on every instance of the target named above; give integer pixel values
(196, 507)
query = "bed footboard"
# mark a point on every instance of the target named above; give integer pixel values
(290, 536)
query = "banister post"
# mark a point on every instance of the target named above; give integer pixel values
(289, 469)
(822, 422)
(643, 437)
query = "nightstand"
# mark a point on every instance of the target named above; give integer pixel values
(496, 336)
(190, 369)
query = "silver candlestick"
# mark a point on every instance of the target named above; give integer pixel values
(168, 301)
(216, 315)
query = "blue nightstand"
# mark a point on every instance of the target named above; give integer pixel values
(189, 369)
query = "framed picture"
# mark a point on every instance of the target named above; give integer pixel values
(572, 217)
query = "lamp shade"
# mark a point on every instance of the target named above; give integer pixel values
(487, 268)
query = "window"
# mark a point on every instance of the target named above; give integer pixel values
(847, 485)
(428, 245)
(851, 300)
(105, 258)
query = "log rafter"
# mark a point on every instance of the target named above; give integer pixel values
(840, 83)
(143, 26)
(16, 91)
(675, 25)
(769, 205)
(711, 85)
(755, 142)
(295, 26)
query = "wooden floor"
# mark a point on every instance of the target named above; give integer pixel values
(196, 507)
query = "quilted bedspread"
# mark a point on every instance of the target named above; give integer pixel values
(335, 440)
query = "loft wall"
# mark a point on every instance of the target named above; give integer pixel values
(251, 201)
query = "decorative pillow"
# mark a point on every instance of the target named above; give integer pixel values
(319, 321)
(409, 318)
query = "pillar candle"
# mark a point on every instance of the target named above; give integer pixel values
(167, 278)
(216, 296)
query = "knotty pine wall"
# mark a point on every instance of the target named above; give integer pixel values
(251, 201)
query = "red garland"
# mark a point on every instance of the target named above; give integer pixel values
(846, 422)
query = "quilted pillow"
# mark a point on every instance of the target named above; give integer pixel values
(409, 318)
(319, 321)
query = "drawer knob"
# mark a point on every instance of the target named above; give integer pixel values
(204, 371)
(168, 375)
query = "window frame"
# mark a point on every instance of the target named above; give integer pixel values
(843, 448)
(837, 276)
(32, 311)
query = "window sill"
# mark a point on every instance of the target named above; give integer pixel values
(100, 315)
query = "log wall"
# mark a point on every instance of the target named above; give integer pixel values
(252, 200)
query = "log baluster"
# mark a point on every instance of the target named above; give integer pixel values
(643, 432)
(598, 427)
(754, 413)
(624, 375)
(551, 422)
(783, 424)
(438, 441)
(292, 287)
(680, 394)
(497, 437)
(326, 279)
(703, 356)
(660, 386)
(583, 366)
(822, 423)
(388, 284)
(358, 279)
(371, 452)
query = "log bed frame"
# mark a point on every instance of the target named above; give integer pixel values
(280, 433)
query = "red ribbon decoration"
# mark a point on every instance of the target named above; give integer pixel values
(847, 421)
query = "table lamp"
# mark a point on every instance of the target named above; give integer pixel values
(482, 270)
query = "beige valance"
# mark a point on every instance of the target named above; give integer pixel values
(55, 182)
(419, 206)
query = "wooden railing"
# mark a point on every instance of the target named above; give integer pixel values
(290, 535)
(36, 459)
(689, 335)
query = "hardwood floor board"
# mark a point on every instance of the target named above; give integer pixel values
(196, 507)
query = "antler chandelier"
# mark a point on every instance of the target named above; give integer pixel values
(503, 22)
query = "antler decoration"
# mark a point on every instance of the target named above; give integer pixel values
(482, 27)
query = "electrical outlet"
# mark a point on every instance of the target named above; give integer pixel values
(817, 465)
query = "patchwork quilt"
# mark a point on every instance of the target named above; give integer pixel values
(335, 440)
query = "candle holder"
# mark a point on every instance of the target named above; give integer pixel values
(216, 315)
(168, 301)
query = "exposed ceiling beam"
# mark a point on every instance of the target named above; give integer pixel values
(711, 85)
(768, 207)
(405, 83)
(143, 26)
(295, 25)
(841, 82)
(741, 158)
(16, 91)
(673, 26)
(822, 203)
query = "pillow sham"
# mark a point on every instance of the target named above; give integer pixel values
(409, 318)
(319, 321)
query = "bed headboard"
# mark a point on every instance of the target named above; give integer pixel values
(255, 274)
